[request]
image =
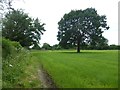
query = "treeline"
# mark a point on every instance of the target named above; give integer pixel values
(47, 46)
(107, 47)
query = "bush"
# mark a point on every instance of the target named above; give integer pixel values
(10, 47)
(6, 48)
(46, 46)
(113, 47)
(56, 47)
(13, 69)
(15, 60)
(17, 46)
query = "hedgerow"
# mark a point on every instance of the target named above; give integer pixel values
(14, 60)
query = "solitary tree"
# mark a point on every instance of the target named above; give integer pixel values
(80, 27)
(18, 26)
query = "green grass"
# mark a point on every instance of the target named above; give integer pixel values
(0, 66)
(19, 68)
(20, 71)
(30, 77)
(88, 69)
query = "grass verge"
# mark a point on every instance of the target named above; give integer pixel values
(20, 72)
(19, 68)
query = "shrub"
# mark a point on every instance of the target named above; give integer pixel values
(6, 48)
(15, 60)
(13, 68)
(17, 46)
(10, 47)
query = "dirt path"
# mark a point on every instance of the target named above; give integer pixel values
(45, 78)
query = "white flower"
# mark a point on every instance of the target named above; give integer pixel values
(10, 65)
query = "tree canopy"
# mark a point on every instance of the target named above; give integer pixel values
(18, 26)
(46, 46)
(81, 27)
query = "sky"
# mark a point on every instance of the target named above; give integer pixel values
(51, 11)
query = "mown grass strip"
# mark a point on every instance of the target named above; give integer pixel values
(89, 69)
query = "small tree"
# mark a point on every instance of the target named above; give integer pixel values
(46, 46)
(56, 47)
(113, 47)
(81, 27)
(18, 26)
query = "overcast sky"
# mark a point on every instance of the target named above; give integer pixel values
(51, 11)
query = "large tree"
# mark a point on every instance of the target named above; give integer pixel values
(80, 27)
(18, 26)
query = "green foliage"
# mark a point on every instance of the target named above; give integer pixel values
(56, 47)
(0, 63)
(18, 26)
(0, 33)
(36, 47)
(6, 48)
(90, 69)
(17, 46)
(11, 54)
(118, 47)
(17, 70)
(13, 68)
(9, 47)
(113, 47)
(80, 27)
(46, 46)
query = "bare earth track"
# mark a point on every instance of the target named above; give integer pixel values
(45, 78)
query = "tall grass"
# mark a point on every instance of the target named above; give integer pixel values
(18, 70)
(0, 63)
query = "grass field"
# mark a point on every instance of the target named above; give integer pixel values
(88, 69)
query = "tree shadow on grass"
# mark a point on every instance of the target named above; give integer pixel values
(82, 52)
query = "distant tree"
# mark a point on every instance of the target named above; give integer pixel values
(113, 47)
(118, 47)
(81, 27)
(56, 47)
(18, 26)
(46, 46)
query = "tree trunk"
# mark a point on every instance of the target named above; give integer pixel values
(78, 45)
